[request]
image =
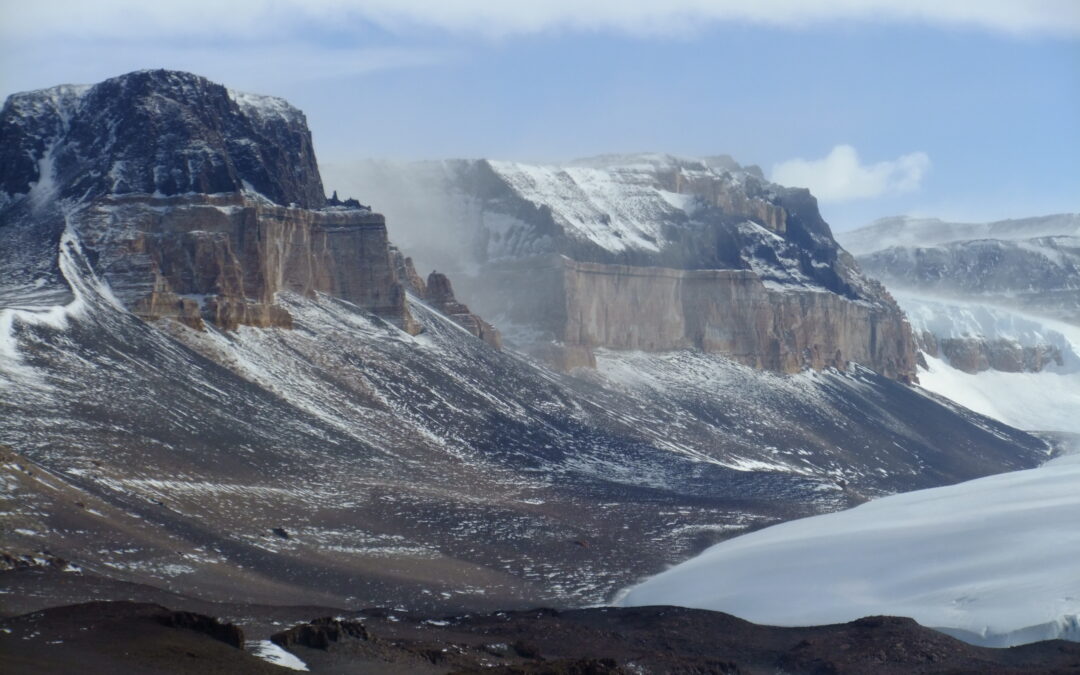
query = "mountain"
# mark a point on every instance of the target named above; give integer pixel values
(995, 308)
(1031, 264)
(647, 252)
(988, 561)
(217, 382)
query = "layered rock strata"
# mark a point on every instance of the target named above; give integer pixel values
(224, 258)
(648, 252)
(976, 354)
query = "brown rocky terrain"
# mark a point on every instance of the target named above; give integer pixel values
(100, 637)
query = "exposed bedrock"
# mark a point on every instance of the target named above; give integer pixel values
(223, 258)
(732, 312)
(974, 355)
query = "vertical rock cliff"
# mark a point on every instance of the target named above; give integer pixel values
(648, 252)
(198, 203)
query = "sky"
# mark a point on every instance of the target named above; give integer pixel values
(960, 109)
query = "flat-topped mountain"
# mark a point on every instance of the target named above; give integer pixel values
(199, 203)
(649, 252)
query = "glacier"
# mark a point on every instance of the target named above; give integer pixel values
(991, 561)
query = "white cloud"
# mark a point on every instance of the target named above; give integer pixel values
(840, 176)
(125, 18)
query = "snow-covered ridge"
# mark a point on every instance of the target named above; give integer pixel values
(629, 202)
(906, 231)
(991, 561)
(950, 318)
(617, 208)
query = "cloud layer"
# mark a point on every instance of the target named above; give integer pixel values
(840, 176)
(252, 18)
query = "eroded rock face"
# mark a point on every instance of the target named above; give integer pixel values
(440, 294)
(223, 258)
(734, 313)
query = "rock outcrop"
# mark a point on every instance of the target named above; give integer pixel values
(440, 294)
(224, 258)
(649, 252)
(974, 355)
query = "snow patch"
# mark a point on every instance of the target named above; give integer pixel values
(268, 651)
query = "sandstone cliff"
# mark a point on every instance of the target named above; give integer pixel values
(648, 252)
(224, 258)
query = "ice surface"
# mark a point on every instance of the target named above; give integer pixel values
(993, 561)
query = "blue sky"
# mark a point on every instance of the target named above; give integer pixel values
(970, 112)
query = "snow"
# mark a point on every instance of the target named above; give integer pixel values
(955, 318)
(268, 651)
(265, 107)
(922, 232)
(616, 210)
(614, 202)
(992, 561)
(1044, 401)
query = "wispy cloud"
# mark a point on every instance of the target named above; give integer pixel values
(118, 18)
(840, 176)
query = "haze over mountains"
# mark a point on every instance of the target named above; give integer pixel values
(219, 383)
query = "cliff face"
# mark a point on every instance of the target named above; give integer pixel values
(196, 202)
(224, 258)
(655, 253)
(730, 312)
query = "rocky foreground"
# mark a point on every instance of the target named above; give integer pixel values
(98, 637)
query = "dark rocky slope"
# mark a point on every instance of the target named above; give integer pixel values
(100, 637)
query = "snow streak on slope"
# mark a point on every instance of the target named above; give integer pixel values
(992, 561)
(618, 208)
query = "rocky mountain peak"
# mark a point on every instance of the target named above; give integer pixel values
(158, 132)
